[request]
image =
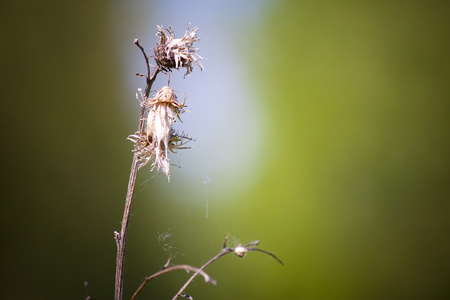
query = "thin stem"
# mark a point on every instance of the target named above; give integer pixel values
(268, 253)
(121, 238)
(86, 287)
(170, 269)
(150, 79)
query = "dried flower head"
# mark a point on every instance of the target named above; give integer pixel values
(240, 251)
(177, 53)
(159, 136)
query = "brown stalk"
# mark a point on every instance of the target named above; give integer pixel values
(122, 236)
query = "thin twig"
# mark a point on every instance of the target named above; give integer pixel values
(150, 79)
(86, 287)
(268, 253)
(122, 236)
(170, 269)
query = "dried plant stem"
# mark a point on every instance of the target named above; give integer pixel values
(170, 269)
(122, 236)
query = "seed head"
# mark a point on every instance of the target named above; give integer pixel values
(159, 136)
(177, 53)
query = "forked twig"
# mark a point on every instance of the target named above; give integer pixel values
(240, 251)
(170, 269)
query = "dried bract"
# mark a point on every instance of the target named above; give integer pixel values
(159, 136)
(177, 53)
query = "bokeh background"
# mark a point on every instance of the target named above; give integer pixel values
(321, 127)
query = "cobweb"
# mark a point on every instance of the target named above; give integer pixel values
(167, 243)
(206, 180)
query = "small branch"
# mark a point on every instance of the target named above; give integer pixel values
(268, 253)
(137, 42)
(240, 251)
(225, 240)
(170, 269)
(150, 79)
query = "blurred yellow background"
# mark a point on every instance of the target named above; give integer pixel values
(321, 130)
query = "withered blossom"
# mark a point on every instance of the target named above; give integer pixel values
(159, 136)
(177, 53)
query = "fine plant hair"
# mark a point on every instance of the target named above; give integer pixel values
(153, 141)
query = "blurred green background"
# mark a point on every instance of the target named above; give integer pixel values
(349, 180)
